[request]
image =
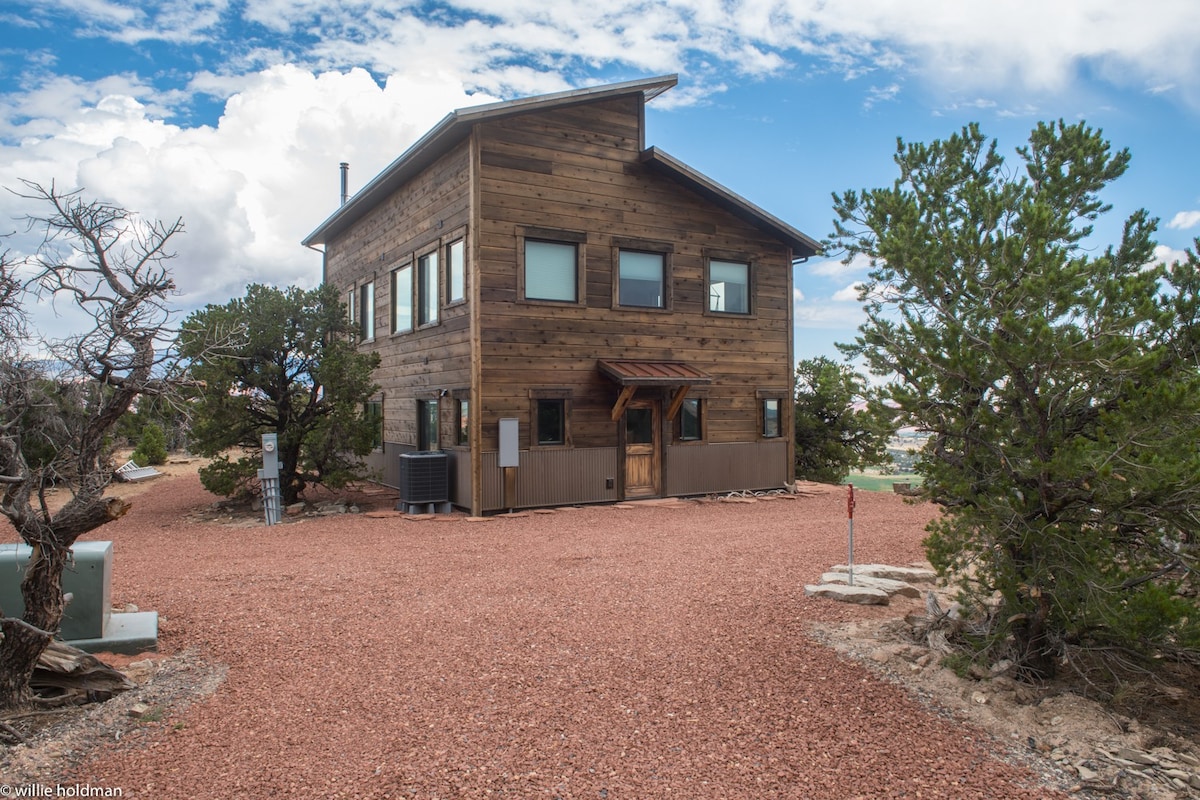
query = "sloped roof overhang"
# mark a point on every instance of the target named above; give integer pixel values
(803, 246)
(453, 129)
(631, 375)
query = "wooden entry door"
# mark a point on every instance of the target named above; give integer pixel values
(642, 448)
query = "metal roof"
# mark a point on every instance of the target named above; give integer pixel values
(454, 128)
(653, 373)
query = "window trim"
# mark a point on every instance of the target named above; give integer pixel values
(557, 394)
(767, 395)
(553, 236)
(751, 279)
(664, 249)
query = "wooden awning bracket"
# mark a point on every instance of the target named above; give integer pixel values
(622, 401)
(677, 401)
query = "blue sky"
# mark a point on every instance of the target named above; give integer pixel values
(234, 115)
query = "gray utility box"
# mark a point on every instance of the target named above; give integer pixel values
(88, 580)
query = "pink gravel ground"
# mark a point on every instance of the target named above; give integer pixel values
(647, 652)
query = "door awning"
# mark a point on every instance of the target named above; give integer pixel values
(632, 374)
(653, 373)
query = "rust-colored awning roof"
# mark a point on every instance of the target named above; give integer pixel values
(653, 373)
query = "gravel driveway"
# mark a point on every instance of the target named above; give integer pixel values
(643, 652)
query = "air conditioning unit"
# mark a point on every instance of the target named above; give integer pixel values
(424, 482)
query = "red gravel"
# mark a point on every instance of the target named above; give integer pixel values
(590, 653)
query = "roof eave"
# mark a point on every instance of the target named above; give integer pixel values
(803, 246)
(454, 127)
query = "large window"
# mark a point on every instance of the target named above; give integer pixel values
(690, 429)
(402, 298)
(550, 417)
(551, 271)
(456, 272)
(427, 424)
(367, 311)
(729, 287)
(642, 279)
(427, 288)
(770, 418)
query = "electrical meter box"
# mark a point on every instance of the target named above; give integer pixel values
(87, 577)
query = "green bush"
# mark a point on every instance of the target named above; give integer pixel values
(152, 446)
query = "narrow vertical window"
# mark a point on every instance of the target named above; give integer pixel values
(551, 422)
(641, 279)
(352, 308)
(427, 424)
(367, 311)
(427, 288)
(456, 267)
(551, 271)
(770, 419)
(689, 420)
(373, 412)
(464, 419)
(402, 297)
(729, 287)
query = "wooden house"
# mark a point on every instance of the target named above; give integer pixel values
(546, 291)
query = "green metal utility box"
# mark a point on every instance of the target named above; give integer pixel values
(88, 578)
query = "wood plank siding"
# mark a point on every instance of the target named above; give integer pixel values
(572, 168)
(578, 170)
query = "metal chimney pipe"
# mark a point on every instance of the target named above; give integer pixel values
(345, 166)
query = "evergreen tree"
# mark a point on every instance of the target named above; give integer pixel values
(1058, 379)
(833, 435)
(283, 362)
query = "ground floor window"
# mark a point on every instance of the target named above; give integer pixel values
(373, 412)
(462, 425)
(427, 424)
(770, 418)
(690, 421)
(550, 418)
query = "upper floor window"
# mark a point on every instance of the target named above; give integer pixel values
(456, 272)
(729, 287)
(366, 315)
(427, 288)
(642, 279)
(402, 299)
(551, 271)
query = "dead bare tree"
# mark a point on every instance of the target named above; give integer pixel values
(66, 394)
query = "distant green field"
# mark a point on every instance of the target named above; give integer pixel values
(881, 483)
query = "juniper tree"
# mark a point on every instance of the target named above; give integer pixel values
(1058, 379)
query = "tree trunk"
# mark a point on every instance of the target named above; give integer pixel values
(41, 589)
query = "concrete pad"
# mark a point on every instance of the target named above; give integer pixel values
(128, 634)
(886, 584)
(909, 574)
(861, 595)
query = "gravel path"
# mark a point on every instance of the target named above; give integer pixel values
(603, 652)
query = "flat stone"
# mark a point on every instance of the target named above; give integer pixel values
(1136, 756)
(861, 595)
(1086, 773)
(911, 574)
(886, 584)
